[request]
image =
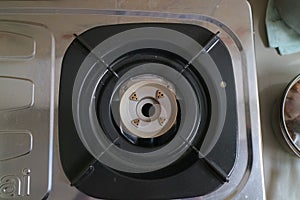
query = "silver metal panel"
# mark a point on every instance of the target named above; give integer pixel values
(20, 46)
(49, 20)
(16, 93)
(14, 144)
(26, 111)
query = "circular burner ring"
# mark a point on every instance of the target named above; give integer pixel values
(145, 60)
(88, 77)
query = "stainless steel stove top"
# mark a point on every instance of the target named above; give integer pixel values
(34, 36)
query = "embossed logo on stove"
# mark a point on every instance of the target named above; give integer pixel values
(12, 186)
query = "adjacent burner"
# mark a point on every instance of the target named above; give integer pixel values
(147, 106)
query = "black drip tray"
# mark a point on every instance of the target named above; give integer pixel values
(189, 176)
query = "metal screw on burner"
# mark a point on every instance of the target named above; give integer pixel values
(223, 84)
(26, 171)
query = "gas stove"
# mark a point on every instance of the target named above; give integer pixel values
(128, 100)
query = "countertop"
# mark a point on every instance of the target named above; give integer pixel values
(281, 170)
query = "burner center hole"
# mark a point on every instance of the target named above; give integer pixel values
(148, 110)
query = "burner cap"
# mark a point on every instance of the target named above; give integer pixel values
(148, 108)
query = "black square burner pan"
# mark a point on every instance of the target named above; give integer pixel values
(190, 175)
